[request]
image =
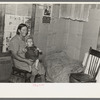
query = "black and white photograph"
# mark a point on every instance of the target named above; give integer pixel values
(47, 9)
(49, 43)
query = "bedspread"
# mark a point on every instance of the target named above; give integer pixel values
(59, 66)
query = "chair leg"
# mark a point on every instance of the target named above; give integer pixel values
(29, 80)
(25, 77)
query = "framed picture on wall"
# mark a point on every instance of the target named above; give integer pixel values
(47, 13)
(47, 10)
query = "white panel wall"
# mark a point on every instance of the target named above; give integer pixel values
(90, 32)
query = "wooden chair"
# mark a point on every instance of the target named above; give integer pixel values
(19, 72)
(91, 68)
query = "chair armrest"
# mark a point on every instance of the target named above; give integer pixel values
(78, 70)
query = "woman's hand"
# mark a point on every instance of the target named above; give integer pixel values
(29, 61)
(24, 50)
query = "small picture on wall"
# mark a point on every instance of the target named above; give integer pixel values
(47, 13)
(47, 10)
(46, 19)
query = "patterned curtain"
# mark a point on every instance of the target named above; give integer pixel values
(78, 12)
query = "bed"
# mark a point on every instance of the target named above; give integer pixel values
(59, 66)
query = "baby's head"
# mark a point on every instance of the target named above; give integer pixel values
(29, 42)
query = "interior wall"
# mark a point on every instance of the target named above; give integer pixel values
(90, 32)
(82, 35)
(19, 9)
(74, 37)
(61, 34)
(49, 37)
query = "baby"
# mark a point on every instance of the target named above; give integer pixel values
(32, 52)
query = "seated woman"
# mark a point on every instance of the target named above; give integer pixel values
(16, 46)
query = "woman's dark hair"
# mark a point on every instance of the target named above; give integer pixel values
(20, 27)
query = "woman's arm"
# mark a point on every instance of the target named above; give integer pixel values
(16, 56)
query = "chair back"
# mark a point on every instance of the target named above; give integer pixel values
(92, 63)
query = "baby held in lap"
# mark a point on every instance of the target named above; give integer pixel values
(32, 52)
